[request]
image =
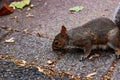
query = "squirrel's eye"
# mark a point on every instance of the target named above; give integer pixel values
(56, 43)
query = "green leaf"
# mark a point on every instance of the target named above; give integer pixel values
(76, 8)
(20, 4)
(27, 2)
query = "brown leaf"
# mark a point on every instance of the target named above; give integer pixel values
(5, 10)
(91, 74)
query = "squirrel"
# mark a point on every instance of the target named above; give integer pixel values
(101, 32)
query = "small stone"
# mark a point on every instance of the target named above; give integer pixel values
(28, 9)
(31, 6)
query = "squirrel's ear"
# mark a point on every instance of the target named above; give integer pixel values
(63, 31)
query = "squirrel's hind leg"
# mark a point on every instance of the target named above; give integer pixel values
(117, 50)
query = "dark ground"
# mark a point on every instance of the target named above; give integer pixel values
(33, 37)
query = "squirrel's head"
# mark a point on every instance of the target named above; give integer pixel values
(61, 40)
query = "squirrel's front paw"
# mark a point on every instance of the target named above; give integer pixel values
(118, 53)
(118, 56)
(85, 54)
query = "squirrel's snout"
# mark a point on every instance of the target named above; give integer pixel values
(55, 48)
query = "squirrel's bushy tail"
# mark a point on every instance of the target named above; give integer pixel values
(117, 16)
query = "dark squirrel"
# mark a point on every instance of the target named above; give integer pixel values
(101, 32)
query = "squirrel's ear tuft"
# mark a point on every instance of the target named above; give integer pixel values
(63, 31)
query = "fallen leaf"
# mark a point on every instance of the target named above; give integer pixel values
(20, 4)
(29, 15)
(27, 2)
(76, 8)
(50, 62)
(5, 10)
(11, 40)
(91, 74)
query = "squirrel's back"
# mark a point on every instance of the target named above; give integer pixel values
(95, 30)
(101, 24)
(117, 16)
